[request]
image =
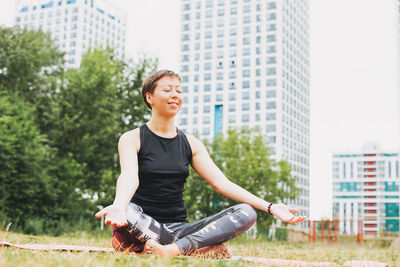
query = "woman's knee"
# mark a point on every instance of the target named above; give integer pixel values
(248, 211)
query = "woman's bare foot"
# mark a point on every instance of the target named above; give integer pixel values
(219, 251)
(154, 248)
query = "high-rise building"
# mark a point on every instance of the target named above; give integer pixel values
(366, 187)
(75, 25)
(246, 63)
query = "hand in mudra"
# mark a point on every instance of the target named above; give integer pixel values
(284, 213)
(114, 216)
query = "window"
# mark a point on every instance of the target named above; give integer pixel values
(206, 109)
(271, 5)
(271, 71)
(232, 118)
(271, 82)
(207, 98)
(246, 51)
(219, 97)
(207, 66)
(246, 73)
(207, 76)
(245, 106)
(246, 84)
(271, 60)
(232, 74)
(246, 62)
(246, 40)
(271, 27)
(246, 30)
(271, 105)
(232, 96)
(245, 95)
(207, 87)
(270, 116)
(184, 68)
(245, 117)
(271, 16)
(271, 38)
(185, 47)
(271, 139)
(246, 19)
(232, 108)
(185, 58)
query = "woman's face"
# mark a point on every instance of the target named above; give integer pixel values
(167, 96)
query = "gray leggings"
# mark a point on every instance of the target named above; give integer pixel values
(209, 231)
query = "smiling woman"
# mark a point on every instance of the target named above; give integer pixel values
(148, 214)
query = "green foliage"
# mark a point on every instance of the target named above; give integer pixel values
(59, 130)
(24, 180)
(27, 58)
(243, 157)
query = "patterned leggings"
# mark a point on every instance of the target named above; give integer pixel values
(209, 231)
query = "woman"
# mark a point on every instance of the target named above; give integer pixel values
(148, 214)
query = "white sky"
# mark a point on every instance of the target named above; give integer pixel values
(354, 73)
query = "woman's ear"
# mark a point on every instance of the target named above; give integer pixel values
(149, 98)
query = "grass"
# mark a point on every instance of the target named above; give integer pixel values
(337, 253)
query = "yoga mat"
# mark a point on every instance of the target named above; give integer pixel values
(50, 247)
(269, 262)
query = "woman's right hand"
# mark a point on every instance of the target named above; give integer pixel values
(114, 215)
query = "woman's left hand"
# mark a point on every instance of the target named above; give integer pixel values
(284, 213)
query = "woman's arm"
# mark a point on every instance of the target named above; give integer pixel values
(205, 167)
(128, 181)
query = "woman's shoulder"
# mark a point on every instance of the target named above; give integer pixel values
(194, 142)
(130, 138)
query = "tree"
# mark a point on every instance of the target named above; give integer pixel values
(96, 104)
(27, 59)
(243, 157)
(59, 129)
(34, 182)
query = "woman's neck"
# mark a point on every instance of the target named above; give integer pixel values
(162, 126)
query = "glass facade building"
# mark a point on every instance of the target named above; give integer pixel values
(366, 187)
(75, 25)
(245, 63)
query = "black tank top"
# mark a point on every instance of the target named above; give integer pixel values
(163, 169)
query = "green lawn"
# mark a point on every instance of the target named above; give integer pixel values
(339, 253)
